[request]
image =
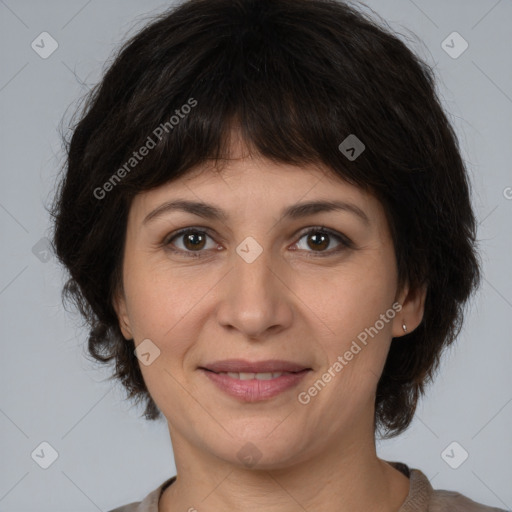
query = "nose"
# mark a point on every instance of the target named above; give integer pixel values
(255, 298)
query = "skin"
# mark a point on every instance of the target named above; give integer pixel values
(288, 304)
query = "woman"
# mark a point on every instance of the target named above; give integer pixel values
(267, 224)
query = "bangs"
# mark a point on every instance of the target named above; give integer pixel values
(253, 83)
(234, 104)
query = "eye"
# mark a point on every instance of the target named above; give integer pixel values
(193, 240)
(320, 238)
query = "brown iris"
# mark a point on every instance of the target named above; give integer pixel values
(320, 240)
(194, 240)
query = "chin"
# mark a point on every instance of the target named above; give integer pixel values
(256, 450)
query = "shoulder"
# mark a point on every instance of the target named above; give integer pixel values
(149, 503)
(423, 497)
(443, 501)
(130, 507)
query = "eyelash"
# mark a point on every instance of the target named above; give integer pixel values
(345, 242)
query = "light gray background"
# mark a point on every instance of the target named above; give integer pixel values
(51, 392)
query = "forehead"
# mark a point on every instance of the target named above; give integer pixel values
(239, 183)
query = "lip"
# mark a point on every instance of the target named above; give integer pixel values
(254, 390)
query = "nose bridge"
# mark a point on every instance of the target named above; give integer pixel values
(254, 298)
(253, 272)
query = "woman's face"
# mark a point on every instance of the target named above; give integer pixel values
(312, 314)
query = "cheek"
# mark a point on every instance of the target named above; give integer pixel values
(353, 300)
(162, 311)
(356, 323)
(155, 300)
(166, 306)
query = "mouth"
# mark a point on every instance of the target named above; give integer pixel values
(241, 366)
(254, 381)
(251, 375)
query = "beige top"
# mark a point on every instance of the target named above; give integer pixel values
(421, 498)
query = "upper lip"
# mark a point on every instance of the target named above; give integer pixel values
(244, 366)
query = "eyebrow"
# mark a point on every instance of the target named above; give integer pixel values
(295, 211)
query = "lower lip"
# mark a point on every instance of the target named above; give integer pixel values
(255, 390)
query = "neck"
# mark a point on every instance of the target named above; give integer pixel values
(343, 478)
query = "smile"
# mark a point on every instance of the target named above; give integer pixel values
(254, 386)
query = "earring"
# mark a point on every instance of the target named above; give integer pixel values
(404, 327)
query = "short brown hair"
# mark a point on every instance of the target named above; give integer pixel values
(295, 78)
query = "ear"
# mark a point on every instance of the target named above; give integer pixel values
(119, 304)
(413, 307)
